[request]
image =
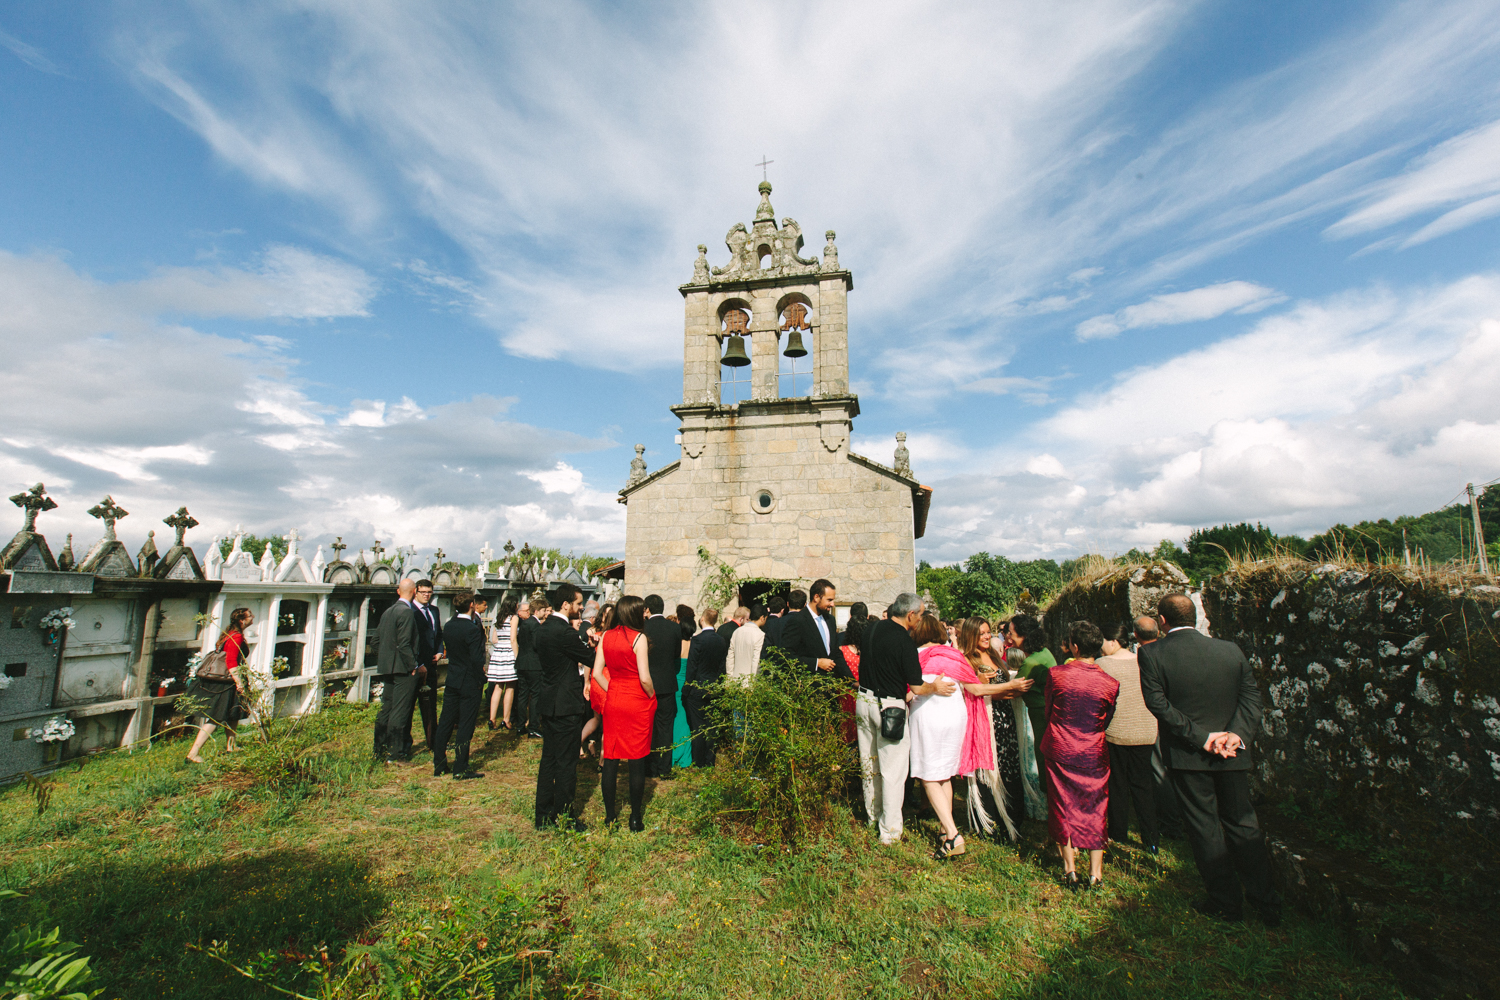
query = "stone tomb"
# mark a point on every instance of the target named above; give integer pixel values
(767, 483)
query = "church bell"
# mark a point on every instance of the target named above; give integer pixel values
(734, 353)
(794, 348)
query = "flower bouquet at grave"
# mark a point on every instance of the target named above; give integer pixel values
(336, 621)
(5, 680)
(57, 729)
(288, 620)
(161, 684)
(281, 667)
(55, 622)
(334, 658)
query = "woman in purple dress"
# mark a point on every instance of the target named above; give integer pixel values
(1080, 702)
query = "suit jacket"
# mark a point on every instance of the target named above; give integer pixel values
(773, 629)
(526, 659)
(801, 640)
(429, 637)
(726, 629)
(562, 652)
(664, 640)
(744, 651)
(708, 654)
(396, 640)
(1194, 686)
(464, 640)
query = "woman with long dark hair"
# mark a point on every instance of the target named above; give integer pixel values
(1000, 695)
(223, 697)
(622, 669)
(1025, 631)
(501, 670)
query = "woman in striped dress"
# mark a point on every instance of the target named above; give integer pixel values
(501, 672)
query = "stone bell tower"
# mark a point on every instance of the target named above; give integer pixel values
(765, 480)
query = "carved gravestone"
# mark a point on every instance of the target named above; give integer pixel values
(108, 557)
(179, 563)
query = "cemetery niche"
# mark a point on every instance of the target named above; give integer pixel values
(97, 650)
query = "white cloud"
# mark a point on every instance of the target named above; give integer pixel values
(1366, 404)
(563, 478)
(1182, 307)
(99, 395)
(1464, 170)
(29, 54)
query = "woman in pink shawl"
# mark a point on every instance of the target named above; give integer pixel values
(950, 735)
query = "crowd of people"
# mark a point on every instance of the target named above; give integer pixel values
(1149, 718)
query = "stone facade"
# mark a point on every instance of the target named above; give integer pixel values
(768, 484)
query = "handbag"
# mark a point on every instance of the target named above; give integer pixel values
(215, 667)
(893, 723)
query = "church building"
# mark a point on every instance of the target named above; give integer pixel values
(765, 480)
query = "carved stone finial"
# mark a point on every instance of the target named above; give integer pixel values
(377, 548)
(439, 556)
(109, 512)
(830, 252)
(903, 457)
(33, 501)
(764, 209)
(148, 555)
(338, 548)
(700, 266)
(637, 466)
(182, 521)
(292, 538)
(65, 559)
(509, 548)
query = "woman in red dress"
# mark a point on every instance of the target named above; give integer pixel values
(1080, 702)
(622, 669)
(223, 697)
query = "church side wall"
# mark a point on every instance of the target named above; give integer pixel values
(832, 518)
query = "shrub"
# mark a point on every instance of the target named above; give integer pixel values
(40, 966)
(781, 752)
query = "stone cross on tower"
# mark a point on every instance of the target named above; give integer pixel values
(338, 548)
(763, 164)
(109, 512)
(33, 501)
(182, 521)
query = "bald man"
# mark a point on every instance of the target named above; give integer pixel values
(396, 668)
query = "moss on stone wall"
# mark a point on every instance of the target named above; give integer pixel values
(1380, 694)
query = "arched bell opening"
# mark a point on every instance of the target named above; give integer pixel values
(797, 359)
(734, 361)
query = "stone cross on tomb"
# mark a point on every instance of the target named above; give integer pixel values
(438, 557)
(109, 512)
(292, 538)
(338, 548)
(182, 521)
(377, 548)
(33, 501)
(509, 548)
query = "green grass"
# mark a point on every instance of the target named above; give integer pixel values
(141, 856)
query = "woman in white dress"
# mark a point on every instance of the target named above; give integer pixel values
(501, 671)
(939, 725)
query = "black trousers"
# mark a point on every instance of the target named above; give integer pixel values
(557, 776)
(460, 713)
(661, 733)
(427, 706)
(523, 710)
(1226, 838)
(695, 704)
(1132, 784)
(1168, 810)
(395, 712)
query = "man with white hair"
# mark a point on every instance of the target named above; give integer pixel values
(890, 676)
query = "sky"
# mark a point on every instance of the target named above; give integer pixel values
(409, 272)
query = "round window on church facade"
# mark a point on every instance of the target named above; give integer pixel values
(763, 500)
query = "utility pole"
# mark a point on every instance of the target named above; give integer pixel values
(1484, 559)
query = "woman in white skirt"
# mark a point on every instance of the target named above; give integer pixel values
(501, 672)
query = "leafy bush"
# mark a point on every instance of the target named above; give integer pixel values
(988, 585)
(781, 751)
(41, 966)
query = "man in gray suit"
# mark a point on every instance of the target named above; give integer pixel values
(396, 667)
(1205, 695)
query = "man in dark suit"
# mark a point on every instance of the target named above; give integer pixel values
(429, 651)
(563, 709)
(664, 645)
(775, 619)
(741, 616)
(1204, 694)
(705, 665)
(810, 634)
(463, 691)
(396, 667)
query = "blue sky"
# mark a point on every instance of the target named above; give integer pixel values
(397, 271)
